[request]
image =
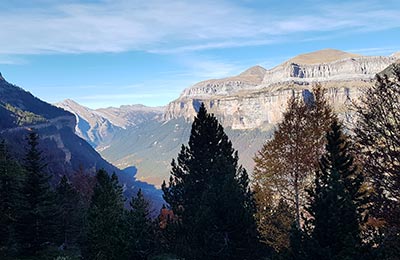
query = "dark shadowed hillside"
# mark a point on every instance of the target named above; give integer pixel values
(64, 151)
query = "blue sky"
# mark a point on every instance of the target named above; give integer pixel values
(115, 52)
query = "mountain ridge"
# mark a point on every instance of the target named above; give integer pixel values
(247, 108)
(321, 56)
(98, 126)
(64, 152)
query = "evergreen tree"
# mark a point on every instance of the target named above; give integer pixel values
(38, 212)
(140, 228)
(378, 136)
(105, 239)
(333, 207)
(301, 245)
(11, 179)
(70, 218)
(209, 193)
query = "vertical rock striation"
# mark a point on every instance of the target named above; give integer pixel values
(257, 97)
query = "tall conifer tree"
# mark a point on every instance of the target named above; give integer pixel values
(209, 193)
(140, 228)
(333, 208)
(71, 213)
(11, 179)
(38, 214)
(378, 136)
(105, 237)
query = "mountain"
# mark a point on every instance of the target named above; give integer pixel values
(249, 106)
(122, 117)
(98, 127)
(322, 56)
(243, 105)
(65, 153)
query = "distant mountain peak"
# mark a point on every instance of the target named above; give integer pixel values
(69, 102)
(396, 54)
(254, 71)
(322, 56)
(1, 77)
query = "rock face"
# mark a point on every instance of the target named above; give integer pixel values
(98, 127)
(243, 103)
(396, 54)
(248, 79)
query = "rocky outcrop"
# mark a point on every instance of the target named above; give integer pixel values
(396, 54)
(360, 68)
(254, 104)
(249, 79)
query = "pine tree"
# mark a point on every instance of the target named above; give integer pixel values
(209, 193)
(140, 228)
(71, 214)
(301, 245)
(105, 237)
(333, 207)
(378, 136)
(39, 211)
(11, 179)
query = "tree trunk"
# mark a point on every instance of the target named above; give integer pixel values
(296, 195)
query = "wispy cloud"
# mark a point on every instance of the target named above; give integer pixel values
(119, 96)
(376, 51)
(174, 26)
(214, 45)
(100, 100)
(11, 60)
(202, 67)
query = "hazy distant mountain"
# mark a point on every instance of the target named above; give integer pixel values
(65, 152)
(248, 105)
(151, 147)
(98, 126)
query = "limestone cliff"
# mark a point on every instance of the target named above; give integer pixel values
(257, 97)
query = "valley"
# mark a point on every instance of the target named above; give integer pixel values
(248, 105)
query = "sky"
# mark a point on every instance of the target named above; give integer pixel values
(104, 53)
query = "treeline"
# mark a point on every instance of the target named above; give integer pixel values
(319, 191)
(82, 218)
(325, 192)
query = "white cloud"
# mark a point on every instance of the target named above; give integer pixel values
(173, 26)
